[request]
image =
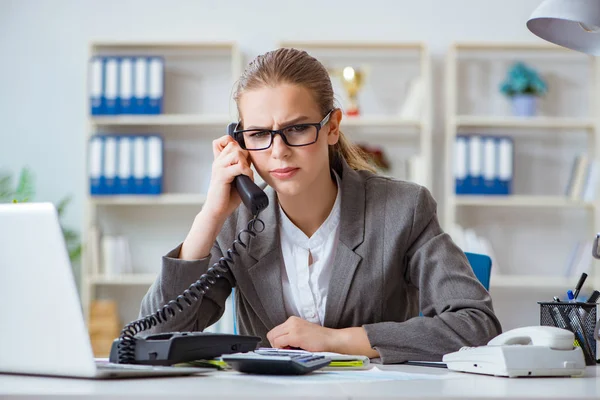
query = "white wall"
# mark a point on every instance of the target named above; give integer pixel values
(44, 44)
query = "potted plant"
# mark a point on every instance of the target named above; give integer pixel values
(523, 86)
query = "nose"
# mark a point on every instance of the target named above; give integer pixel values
(279, 149)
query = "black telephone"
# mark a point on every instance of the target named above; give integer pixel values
(176, 347)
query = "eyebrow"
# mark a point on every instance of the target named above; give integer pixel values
(293, 121)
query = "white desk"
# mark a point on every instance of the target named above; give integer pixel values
(223, 386)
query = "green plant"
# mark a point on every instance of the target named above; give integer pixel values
(25, 192)
(522, 79)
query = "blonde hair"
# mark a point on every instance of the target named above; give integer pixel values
(297, 67)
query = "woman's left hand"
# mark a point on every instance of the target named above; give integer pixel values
(297, 332)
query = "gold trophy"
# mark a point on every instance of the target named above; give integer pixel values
(352, 79)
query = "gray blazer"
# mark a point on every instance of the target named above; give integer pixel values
(392, 261)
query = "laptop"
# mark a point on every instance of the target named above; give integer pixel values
(43, 330)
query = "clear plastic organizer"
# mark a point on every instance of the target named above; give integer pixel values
(579, 318)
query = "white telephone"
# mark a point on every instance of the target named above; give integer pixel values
(528, 351)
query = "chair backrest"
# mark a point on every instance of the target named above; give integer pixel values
(482, 266)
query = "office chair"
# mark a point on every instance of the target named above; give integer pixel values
(482, 266)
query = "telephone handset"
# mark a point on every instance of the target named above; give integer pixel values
(252, 196)
(548, 336)
(527, 351)
(176, 347)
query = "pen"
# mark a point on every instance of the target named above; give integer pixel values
(556, 299)
(593, 297)
(570, 296)
(579, 285)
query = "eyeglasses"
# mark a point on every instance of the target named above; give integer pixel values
(294, 135)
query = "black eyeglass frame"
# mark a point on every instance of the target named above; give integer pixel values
(239, 134)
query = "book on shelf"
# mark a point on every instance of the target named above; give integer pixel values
(583, 179)
(130, 85)
(470, 242)
(580, 259)
(483, 165)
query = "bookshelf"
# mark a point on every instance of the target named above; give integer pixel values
(198, 79)
(533, 230)
(389, 68)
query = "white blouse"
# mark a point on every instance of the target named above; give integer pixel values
(305, 286)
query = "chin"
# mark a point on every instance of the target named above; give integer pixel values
(287, 189)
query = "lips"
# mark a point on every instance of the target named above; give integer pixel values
(284, 173)
(283, 170)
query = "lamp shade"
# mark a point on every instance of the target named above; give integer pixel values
(574, 24)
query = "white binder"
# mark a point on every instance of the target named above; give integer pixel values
(96, 85)
(124, 172)
(110, 164)
(156, 85)
(140, 92)
(111, 88)
(95, 165)
(139, 164)
(126, 86)
(155, 164)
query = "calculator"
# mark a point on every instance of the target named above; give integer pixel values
(275, 364)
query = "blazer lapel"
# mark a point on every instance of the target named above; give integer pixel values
(352, 228)
(265, 273)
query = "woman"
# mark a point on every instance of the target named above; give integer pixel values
(347, 258)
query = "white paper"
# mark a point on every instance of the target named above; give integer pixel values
(371, 375)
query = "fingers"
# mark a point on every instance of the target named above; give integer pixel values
(283, 341)
(284, 333)
(219, 144)
(225, 144)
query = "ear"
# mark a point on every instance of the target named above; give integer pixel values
(335, 119)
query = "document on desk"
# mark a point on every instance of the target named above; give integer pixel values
(372, 375)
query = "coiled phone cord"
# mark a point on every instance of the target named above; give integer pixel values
(127, 340)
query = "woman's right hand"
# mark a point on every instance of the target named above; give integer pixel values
(230, 160)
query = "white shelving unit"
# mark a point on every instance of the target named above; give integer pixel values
(389, 68)
(562, 124)
(197, 108)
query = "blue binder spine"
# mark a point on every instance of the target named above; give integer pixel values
(95, 150)
(156, 75)
(124, 172)
(110, 164)
(489, 166)
(111, 87)
(154, 150)
(506, 165)
(139, 164)
(460, 165)
(96, 87)
(475, 176)
(126, 85)
(140, 92)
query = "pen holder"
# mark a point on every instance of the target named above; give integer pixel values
(579, 318)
